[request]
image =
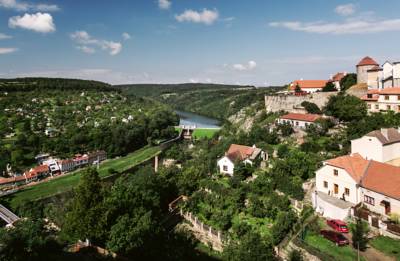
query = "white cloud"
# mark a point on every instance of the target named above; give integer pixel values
(350, 26)
(126, 36)
(24, 6)
(86, 49)
(164, 4)
(4, 36)
(7, 50)
(87, 43)
(245, 67)
(39, 22)
(206, 16)
(345, 10)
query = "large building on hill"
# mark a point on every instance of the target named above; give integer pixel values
(308, 86)
(367, 63)
(299, 120)
(387, 99)
(376, 76)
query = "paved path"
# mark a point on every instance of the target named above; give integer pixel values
(371, 254)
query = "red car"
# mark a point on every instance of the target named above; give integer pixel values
(338, 225)
(335, 237)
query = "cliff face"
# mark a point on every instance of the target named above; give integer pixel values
(292, 103)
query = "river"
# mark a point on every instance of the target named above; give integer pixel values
(190, 118)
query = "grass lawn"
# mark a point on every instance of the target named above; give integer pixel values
(204, 133)
(343, 253)
(387, 245)
(67, 182)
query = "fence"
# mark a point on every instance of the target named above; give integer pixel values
(214, 236)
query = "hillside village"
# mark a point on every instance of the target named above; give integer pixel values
(313, 155)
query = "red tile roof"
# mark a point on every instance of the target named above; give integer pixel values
(367, 61)
(354, 165)
(393, 90)
(304, 84)
(339, 76)
(301, 117)
(382, 178)
(239, 152)
(375, 68)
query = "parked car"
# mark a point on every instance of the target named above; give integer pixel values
(338, 225)
(335, 237)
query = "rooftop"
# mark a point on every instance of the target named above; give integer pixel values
(308, 84)
(354, 165)
(301, 117)
(367, 61)
(241, 152)
(386, 135)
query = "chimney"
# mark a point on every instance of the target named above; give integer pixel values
(384, 132)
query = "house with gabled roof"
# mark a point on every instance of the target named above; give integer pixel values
(381, 145)
(347, 181)
(299, 120)
(237, 154)
(308, 86)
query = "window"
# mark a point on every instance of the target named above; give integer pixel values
(336, 188)
(347, 191)
(369, 200)
(225, 168)
(369, 106)
(386, 97)
(388, 107)
(398, 97)
(325, 184)
(335, 172)
(297, 123)
(376, 106)
(369, 96)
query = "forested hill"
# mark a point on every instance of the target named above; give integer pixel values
(41, 83)
(213, 100)
(159, 89)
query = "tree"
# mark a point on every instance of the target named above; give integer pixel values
(249, 247)
(84, 220)
(297, 89)
(27, 241)
(347, 81)
(286, 129)
(295, 255)
(283, 224)
(311, 107)
(329, 87)
(360, 231)
(346, 107)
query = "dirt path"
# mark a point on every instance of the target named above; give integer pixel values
(371, 254)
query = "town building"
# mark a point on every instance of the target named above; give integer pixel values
(380, 145)
(335, 79)
(347, 181)
(383, 100)
(53, 166)
(239, 153)
(66, 165)
(308, 86)
(81, 160)
(367, 63)
(96, 156)
(299, 120)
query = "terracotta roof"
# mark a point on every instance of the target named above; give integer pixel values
(386, 136)
(301, 117)
(354, 165)
(393, 90)
(375, 68)
(374, 93)
(40, 169)
(382, 178)
(367, 61)
(304, 84)
(339, 76)
(239, 152)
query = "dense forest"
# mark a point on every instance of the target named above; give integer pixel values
(67, 119)
(213, 100)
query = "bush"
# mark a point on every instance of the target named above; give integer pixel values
(311, 107)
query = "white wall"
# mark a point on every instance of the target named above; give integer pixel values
(343, 180)
(295, 123)
(225, 161)
(387, 70)
(378, 208)
(328, 210)
(368, 148)
(391, 152)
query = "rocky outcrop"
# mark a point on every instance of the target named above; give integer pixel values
(291, 103)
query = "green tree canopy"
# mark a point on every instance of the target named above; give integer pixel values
(346, 107)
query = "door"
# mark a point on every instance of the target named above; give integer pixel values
(336, 188)
(387, 208)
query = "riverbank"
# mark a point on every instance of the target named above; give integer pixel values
(67, 182)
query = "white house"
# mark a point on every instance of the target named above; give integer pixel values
(299, 120)
(349, 180)
(238, 153)
(383, 100)
(380, 145)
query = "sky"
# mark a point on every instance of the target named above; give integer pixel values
(257, 42)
